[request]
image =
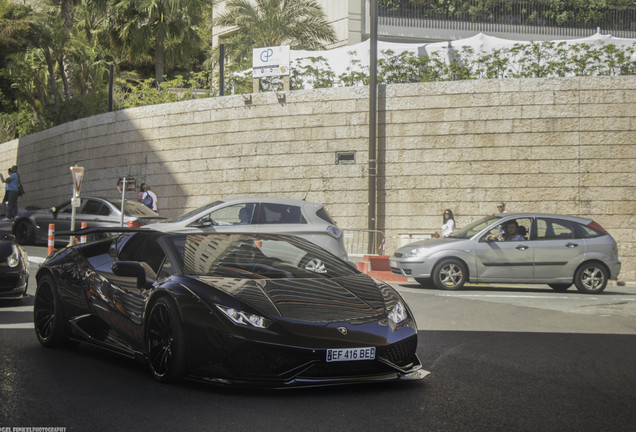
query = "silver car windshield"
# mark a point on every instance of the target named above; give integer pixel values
(475, 227)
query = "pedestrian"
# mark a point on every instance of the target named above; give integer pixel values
(140, 195)
(448, 223)
(149, 199)
(12, 186)
(5, 200)
(502, 207)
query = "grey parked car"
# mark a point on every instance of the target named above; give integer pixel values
(269, 215)
(515, 248)
(32, 225)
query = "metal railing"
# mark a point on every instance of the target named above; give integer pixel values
(521, 16)
(356, 241)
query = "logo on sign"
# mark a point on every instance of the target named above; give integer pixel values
(266, 55)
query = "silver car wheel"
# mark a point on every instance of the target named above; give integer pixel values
(314, 265)
(591, 278)
(450, 275)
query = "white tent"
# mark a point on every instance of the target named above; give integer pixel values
(339, 59)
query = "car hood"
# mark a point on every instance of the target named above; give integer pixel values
(351, 298)
(429, 243)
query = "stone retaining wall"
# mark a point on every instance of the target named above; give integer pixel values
(547, 145)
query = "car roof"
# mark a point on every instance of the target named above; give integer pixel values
(579, 219)
(270, 199)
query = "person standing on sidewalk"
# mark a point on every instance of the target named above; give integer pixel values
(12, 184)
(149, 199)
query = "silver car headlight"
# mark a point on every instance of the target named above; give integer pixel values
(334, 231)
(242, 318)
(416, 252)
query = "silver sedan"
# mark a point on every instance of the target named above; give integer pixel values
(515, 248)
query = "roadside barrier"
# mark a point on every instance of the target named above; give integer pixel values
(84, 237)
(51, 242)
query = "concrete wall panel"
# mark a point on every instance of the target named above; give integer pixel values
(550, 145)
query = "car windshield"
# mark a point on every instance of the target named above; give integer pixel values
(194, 212)
(247, 256)
(133, 208)
(472, 229)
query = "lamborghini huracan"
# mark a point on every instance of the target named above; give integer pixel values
(227, 308)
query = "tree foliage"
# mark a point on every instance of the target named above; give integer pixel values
(159, 49)
(299, 23)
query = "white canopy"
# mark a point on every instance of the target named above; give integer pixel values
(349, 56)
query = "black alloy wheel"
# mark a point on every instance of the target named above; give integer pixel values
(24, 232)
(450, 274)
(591, 278)
(165, 341)
(48, 317)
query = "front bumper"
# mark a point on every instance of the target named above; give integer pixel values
(254, 364)
(402, 267)
(13, 284)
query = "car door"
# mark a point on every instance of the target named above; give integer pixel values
(557, 249)
(61, 218)
(122, 299)
(95, 213)
(505, 260)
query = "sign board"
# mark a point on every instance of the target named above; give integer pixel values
(78, 175)
(270, 61)
(131, 184)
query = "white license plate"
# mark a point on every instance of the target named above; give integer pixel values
(350, 354)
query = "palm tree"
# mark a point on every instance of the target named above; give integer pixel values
(167, 28)
(301, 24)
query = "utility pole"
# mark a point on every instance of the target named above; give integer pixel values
(373, 88)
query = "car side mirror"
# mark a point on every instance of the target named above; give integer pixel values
(130, 269)
(203, 223)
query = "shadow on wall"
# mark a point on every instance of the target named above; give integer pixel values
(109, 146)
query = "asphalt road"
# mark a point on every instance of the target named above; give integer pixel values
(506, 358)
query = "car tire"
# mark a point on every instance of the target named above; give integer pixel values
(560, 287)
(165, 341)
(591, 278)
(24, 232)
(48, 316)
(450, 274)
(313, 264)
(425, 282)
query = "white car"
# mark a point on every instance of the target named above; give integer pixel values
(308, 220)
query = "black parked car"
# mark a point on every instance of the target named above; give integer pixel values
(14, 268)
(227, 308)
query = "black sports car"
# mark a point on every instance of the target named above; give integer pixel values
(227, 309)
(14, 268)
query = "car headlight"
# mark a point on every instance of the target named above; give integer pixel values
(242, 318)
(398, 313)
(14, 259)
(415, 253)
(334, 231)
